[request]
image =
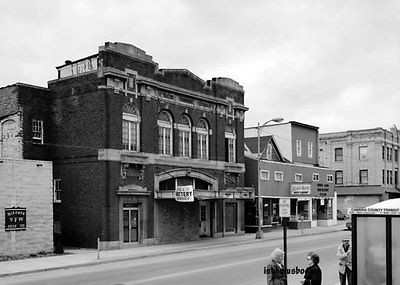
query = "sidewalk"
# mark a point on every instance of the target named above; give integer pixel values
(87, 257)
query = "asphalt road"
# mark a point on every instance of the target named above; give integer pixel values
(239, 264)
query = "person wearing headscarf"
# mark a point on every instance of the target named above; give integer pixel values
(275, 269)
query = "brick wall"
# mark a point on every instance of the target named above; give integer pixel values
(178, 221)
(27, 184)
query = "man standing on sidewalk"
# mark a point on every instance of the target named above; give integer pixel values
(345, 264)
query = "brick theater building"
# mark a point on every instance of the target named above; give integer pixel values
(127, 135)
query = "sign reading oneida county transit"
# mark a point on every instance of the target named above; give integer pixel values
(184, 193)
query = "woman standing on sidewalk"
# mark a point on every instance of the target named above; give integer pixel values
(275, 270)
(313, 274)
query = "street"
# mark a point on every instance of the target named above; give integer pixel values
(239, 264)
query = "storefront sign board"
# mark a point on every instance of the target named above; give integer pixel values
(184, 194)
(284, 207)
(300, 189)
(15, 219)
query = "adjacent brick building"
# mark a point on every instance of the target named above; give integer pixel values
(366, 164)
(26, 195)
(289, 168)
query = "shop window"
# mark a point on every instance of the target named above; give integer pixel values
(303, 209)
(264, 174)
(37, 131)
(339, 154)
(339, 177)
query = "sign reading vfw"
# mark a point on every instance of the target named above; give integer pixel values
(15, 219)
(284, 207)
(184, 193)
(300, 189)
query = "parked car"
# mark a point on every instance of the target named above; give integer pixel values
(340, 215)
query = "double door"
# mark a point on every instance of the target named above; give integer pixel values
(131, 225)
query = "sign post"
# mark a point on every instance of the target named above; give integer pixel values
(284, 213)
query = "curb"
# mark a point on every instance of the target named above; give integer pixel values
(173, 251)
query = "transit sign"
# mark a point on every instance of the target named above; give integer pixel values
(284, 207)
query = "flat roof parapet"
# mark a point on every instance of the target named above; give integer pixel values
(127, 49)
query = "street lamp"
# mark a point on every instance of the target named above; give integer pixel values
(259, 233)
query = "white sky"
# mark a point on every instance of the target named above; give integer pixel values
(334, 64)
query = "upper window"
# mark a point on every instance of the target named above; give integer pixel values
(269, 151)
(202, 139)
(383, 152)
(165, 133)
(339, 154)
(364, 176)
(130, 128)
(298, 177)
(37, 131)
(310, 149)
(185, 136)
(264, 174)
(396, 155)
(329, 178)
(315, 177)
(363, 152)
(278, 176)
(230, 145)
(339, 177)
(298, 147)
(57, 190)
(389, 154)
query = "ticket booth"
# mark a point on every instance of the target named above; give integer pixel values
(376, 244)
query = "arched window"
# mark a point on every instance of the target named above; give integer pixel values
(130, 127)
(230, 145)
(165, 133)
(185, 136)
(202, 139)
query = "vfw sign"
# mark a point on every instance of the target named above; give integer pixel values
(15, 219)
(184, 193)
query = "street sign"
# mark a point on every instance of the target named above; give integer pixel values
(284, 207)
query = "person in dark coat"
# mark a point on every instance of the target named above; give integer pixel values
(313, 275)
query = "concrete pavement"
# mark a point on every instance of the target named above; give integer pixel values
(88, 257)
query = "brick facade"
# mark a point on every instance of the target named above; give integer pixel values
(102, 183)
(374, 162)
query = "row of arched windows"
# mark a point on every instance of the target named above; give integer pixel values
(131, 125)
